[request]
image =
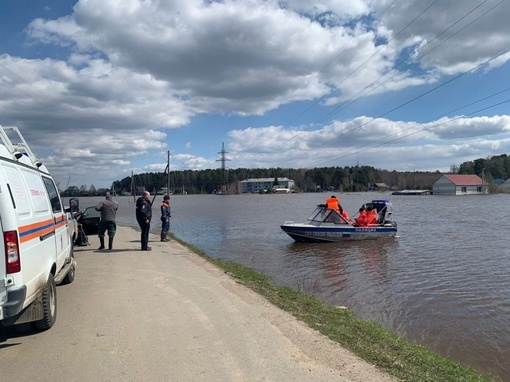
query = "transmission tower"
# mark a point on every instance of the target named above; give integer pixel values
(223, 159)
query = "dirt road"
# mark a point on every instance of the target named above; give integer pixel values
(169, 315)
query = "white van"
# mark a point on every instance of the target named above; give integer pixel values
(36, 250)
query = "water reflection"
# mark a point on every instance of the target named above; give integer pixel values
(348, 274)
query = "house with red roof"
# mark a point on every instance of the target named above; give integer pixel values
(455, 184)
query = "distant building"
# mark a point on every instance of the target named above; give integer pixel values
(71, 191)
(455, 184)
(265, 184)
(379, 187)
(102, 191)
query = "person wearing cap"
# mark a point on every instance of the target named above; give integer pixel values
(108, 209)
(165, 217)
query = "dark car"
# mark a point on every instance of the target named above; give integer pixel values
(89, 220)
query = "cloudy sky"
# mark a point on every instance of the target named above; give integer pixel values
(103, 88)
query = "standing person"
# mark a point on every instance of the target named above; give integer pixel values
(165, 217)
(143, 217)
(108, 210)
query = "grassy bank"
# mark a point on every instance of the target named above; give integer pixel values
(368, 340)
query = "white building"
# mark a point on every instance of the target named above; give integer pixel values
(455, 184)
(265, 184)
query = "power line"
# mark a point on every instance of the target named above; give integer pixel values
(361, 149)
(422, 95)
(329, 63)
(38, 90)
(352, 99)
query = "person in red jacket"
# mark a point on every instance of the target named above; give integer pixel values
(344, 214)
(371, 217)
(361, 219)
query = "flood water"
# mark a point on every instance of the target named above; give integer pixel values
(444, 282)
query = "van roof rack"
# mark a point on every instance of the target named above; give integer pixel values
(20, 148)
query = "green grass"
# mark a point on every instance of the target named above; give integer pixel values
(370, 341)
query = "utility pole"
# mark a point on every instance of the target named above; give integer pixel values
(168, 173)
(223, 159)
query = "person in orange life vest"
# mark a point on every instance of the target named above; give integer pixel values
(333, 203)
(361, 219)
(371, 216)
(344, 213)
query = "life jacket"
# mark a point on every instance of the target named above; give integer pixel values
(332, 203)
(371, 217)
(361, 219)
(165, 210)
(346, 216)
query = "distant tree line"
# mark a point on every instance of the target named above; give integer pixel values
(359, 178)
(346, 179)
(496, 167)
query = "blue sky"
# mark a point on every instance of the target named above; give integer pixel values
(101, 89)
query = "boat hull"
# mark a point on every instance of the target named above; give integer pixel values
(313, 234)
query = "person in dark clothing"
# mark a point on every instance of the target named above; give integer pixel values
(165, 217)
(143, 217)
(108, 209)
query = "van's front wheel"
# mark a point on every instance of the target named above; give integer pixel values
(49, 302)
(69, 278)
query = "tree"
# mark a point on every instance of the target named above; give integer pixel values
(354, 178)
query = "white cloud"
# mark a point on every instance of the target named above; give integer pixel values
(119, 74)
(457, 38)
(191, 162)
(404, 146)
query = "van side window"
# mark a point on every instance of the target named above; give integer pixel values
(56, 206)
